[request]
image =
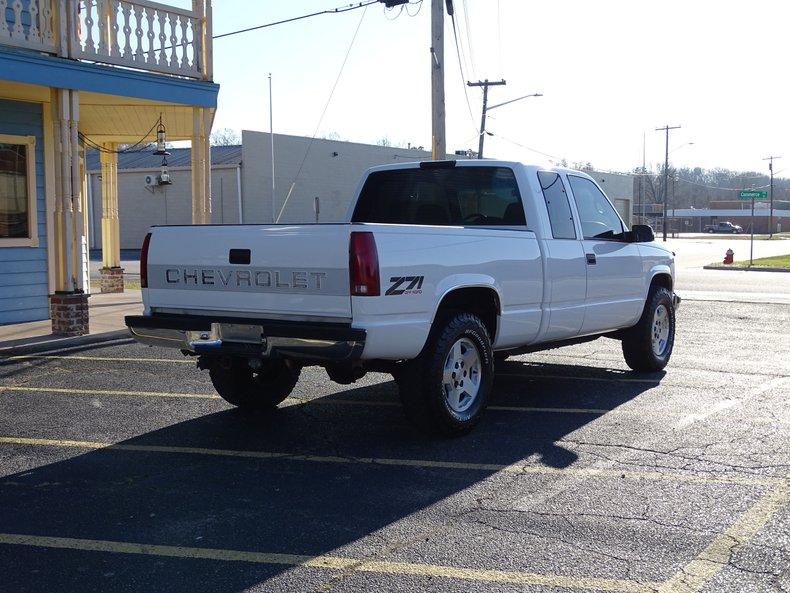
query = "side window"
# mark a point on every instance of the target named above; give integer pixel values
(598, 217)
(557, 204)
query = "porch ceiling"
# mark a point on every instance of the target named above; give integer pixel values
(113, 118)
(106, 118)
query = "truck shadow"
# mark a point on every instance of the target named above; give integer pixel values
(289, 506)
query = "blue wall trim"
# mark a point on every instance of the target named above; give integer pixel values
(23, 270)
(21, 66)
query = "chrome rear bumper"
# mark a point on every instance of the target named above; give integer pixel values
(249, 337)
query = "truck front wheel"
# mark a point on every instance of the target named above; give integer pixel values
(446, 389)
(648, 345)
(261, 389)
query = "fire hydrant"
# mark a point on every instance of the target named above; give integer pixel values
(728, 256)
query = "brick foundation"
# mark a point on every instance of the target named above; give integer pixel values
(69, 313)
(111, 279)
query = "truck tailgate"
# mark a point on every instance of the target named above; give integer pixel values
(264, 271)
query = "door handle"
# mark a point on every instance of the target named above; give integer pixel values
(590, 259)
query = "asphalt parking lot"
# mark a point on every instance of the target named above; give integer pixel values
(122, 471)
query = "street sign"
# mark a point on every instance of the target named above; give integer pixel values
(757, 195)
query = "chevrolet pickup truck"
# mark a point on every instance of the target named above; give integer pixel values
(442, 267)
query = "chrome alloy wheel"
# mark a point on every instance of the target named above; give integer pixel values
(660, 335)
(462, 375)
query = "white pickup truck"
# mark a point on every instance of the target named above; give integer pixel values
(443, 267)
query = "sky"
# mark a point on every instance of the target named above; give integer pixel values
(610, 71)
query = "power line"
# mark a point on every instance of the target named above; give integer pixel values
(469, 40)
(499, 33)
(459, 52)
(323, 113)
(338, 10)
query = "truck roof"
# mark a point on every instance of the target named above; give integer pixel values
(477, 163)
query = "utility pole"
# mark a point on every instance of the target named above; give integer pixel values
(771, 195)
(485, 84)
(439, 142)
(666, 129)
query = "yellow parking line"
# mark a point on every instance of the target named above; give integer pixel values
(361, 402)
(519, 467)
(328, 562)
(700, 571)
(98, 358)
(327, 401)
(75, 391)
(581, 378)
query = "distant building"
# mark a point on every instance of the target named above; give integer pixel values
(736, 211)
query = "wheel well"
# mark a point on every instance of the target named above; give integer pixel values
(662, 280)
(483, 302)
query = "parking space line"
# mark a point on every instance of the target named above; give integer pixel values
(325, 401)
(725, 404)
(75, 391)
(98, 358)
(329, 562)
(513, 468)
(369, 403)
(700, 571)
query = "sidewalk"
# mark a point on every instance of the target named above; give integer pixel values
(106, 323)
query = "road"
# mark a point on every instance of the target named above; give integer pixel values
(122, 471)
(692, 281)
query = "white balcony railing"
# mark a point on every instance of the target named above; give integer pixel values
(138, 34)
(29, 24)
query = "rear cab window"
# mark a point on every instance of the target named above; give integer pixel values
(452, 196)
(557, 205)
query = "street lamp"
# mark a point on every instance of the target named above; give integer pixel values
(681, 146)
(486, 109)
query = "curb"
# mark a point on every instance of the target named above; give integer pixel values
(60, 343)
(747, 268)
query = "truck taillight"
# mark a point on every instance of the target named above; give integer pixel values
(363, 265)
(144, 261)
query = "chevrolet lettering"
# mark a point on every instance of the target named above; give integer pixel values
(305, 280)
(440, 268)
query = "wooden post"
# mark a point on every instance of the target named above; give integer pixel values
(208, 118)
(438, 144)
(111, 254)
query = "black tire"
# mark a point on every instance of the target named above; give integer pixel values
(711, 231)
(421, 384)
(263, 389)
(638, 341)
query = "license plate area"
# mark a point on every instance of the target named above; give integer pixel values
(237, 332)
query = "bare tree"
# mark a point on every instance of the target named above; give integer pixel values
(225, 137)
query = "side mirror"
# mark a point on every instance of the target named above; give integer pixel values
(642, 233)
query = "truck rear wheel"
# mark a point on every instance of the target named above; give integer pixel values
(249, 389)
(446, 389)
(648, 345)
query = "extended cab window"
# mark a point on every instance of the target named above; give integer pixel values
(557, 204)
(598, 217)
(456, 196)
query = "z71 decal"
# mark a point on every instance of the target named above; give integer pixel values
(405, 285)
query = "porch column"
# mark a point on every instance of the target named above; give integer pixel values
(69, 303)
(111, 271)
(201, 166)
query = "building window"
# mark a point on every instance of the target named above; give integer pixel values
(18, 191)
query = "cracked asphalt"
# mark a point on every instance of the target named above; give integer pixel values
(122, 471)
